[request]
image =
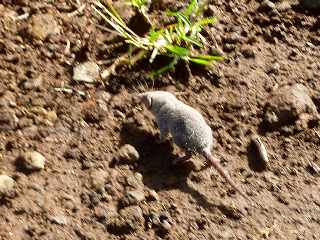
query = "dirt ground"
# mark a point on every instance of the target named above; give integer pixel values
(85, 192)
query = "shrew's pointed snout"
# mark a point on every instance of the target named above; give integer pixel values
(145, 99)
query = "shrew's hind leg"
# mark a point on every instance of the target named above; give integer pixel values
(183, 159)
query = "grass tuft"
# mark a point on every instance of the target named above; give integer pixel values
(179, 41)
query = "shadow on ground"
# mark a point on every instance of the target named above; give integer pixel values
(156, 166)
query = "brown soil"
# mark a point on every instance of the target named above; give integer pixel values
(62, 202)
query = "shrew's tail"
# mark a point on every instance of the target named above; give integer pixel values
(215, 162)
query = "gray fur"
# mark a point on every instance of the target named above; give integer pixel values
(187, 126)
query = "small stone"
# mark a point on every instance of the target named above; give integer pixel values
(313, 168)
(103, 99)
(289, 104)
(59, 219)
(283, 198)
(260, 150)
(247, 52)
(133, 197)
(284, 6)
(39, 111)
(274, 69)
(310, 4)
(32, 84)
(228, 47)
(135, 181)
(119, 114)
(98, 179)
(128, 154)
(103, 96)
(233, 38)
(25, 122)
(231, 211)
(7, 99)
(73, 153)
(166, 226)
(33, 160)
(8, 120)
(52, 116)
(129, 220)
(163, 222)
(132, 212)
(152, 195)
(267, 5)
(88, 72)
(6, 185)
(38, 102)
(104, 213)
(44, 25)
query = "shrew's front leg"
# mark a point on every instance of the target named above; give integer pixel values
(164, 131)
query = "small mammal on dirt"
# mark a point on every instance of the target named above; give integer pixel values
(187, 126)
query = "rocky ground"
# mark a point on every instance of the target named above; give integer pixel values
(82, 161)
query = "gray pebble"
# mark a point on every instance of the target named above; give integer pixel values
(128, 154)
(6, 184)
(284, 6)
(98, 179)
(34, 83)
(233, 38)
(288, 104)
(88, 72)
(7, 99)
(231, 211)
(33, 160)
(274, 69)
(129, 220)
(43, 25)
(59, 219)
(247, 52)
(103, 99)
(260, 149)
(8, 120)
(152, 195)
(267, 5)
(165, 225)
(313, 168)
(135, 181)
(133, 197)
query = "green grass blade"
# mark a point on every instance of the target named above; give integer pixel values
(165, 68)
(180, 51)
(200, 61)
(192, 40)
(118, 21)
(154, 35)
(184, 19)
(197, 27)
(209, 57)
(191, 8)
(206, 21)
